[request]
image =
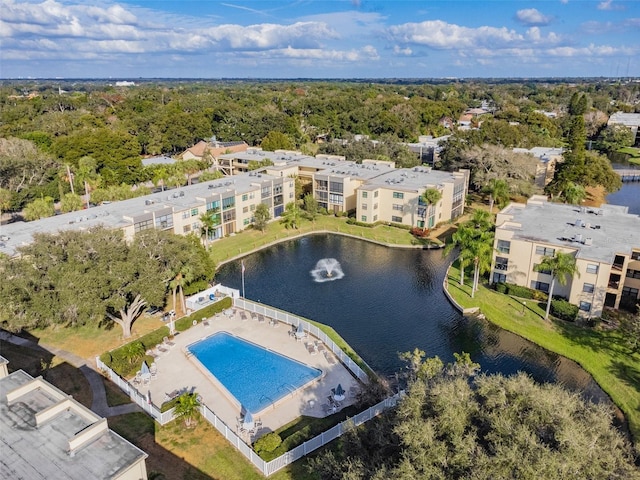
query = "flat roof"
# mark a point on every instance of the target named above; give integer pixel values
(409, 179)
(611, 229)
(348, 169)
(42, 451)
(118, 214)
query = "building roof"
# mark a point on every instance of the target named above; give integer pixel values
(611, 229)
(158, 160)
(542, 153)
(215, 148)
(119, 214)
(413, 179)
(45, 434)
(627, 119)
(362, 171)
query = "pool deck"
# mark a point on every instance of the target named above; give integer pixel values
(178, 371)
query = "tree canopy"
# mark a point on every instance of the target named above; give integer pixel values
(454, 424)
(73, 278)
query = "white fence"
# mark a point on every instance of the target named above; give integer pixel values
(308, 327)
(267, 468)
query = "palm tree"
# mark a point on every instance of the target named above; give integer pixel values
(498, 191)
(187, 407)
(481, 248)
(561, 267)
(574, 193)
(431, 196)
(461, 239)
(291, 216)
(207, 224)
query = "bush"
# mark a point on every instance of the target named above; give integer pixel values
(353, 221)
(519, 291)
(267, 443)
(564, 310)
(419, 232)
(500, 287)
(196, 287)
(187, 322)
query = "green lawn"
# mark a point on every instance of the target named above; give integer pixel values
(600, 352)
(250, 240)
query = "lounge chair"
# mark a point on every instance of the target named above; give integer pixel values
(243, 315)
(260, 318)
(329, 358)
(311, 348)
(168, 342)
(162, 349)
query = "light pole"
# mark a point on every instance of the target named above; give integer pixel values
(524, 305)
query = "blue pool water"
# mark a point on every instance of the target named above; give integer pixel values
(255, 376)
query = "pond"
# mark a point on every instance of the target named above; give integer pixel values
(384, 301)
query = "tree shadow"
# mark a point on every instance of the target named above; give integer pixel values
(140, 428)
(595, 340)
(626, 373)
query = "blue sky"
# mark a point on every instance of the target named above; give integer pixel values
(318, 39)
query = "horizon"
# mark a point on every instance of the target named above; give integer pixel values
(339, 39)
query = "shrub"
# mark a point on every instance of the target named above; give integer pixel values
(500, 287)
(353, 221)
(267, 443)
(419, 232)
(564, 310)
(187, 322)
(196, 287)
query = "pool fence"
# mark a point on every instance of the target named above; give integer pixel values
(266, 468)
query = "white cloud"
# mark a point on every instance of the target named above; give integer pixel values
(441, 35)
(609, 5)
(402, 51)
(531, 16)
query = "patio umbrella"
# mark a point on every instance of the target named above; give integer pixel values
(338, 393)
(299, 331)
(247, 421)
(145, 373)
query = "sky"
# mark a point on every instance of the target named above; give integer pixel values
(131, 39)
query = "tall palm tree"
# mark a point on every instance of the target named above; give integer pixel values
(187, 407)
(207, 224)
(461, 239)
(498, 191)
(481, 248)
(291, 216)
(561, 267)
(431, 196)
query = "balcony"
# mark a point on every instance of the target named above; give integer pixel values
(502, 266)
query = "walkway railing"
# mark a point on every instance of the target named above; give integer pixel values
(308, 327)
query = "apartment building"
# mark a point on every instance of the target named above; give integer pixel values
(231, 202)
(396, 196)
(44, 433)
(604, 241)
(240, 162)
(546, 160)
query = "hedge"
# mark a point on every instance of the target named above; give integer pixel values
(118, 359)
(520, 291)
(564, 310)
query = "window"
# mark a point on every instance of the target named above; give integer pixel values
(185, 214)
(546, 251)
(143, 225)
(195, 226)
(228, 202)
(397, 207)
(375, 218)
(588, 287)
(336, 187)
(375, 206)
(246, 221)
(542, 286)
(164, 221)
(504, 246)
(420, 223)
(364, 206)
(592, 268)
(502, 263)
(630, 292)
(364, 194)
(212, 206)
(229, 216)
(186, 229)
(398, 195)
(633, 273)
(245, 197)
(375, 194)
(499, 277)
(635, 255)
(585, 306)
(363, 218)
(245, 209)
(422, 212)
(265, 192)
(396, 219)
(194, 212)
(335, 198)
(252, 208)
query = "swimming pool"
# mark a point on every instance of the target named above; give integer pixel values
(254, 376)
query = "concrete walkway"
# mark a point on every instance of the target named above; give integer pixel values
(99, 403)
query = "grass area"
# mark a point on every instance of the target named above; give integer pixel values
(600, 352)
(249, 240)
(195, 453)
(633, 151)
(53, 369)
(89, 341)
(115, 396)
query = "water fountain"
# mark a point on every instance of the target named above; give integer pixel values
(327, 270)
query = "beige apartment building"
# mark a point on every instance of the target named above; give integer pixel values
(605, 242)
(396, 196)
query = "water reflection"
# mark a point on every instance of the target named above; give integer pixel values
(391, 301)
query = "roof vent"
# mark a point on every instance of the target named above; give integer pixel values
(579, 237)
(182, 194)
(579, 223)
(588, 241)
